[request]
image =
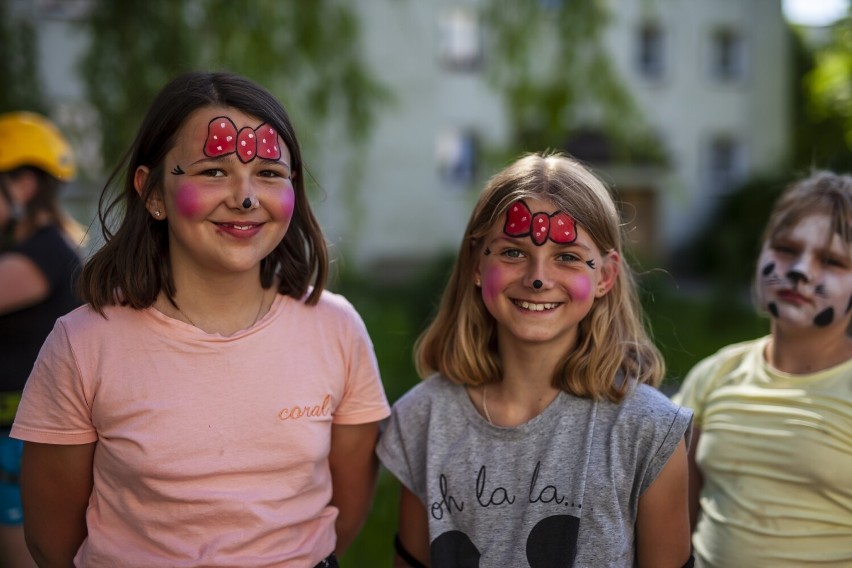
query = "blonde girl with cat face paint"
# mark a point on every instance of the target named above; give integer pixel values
(211, 404)
(769, 482)
(537, 437)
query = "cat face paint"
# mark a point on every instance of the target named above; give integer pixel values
(804, 275)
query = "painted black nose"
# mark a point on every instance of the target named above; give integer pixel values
(796, 277)
(246, 203)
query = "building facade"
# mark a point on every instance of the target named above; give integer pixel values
(712, 80)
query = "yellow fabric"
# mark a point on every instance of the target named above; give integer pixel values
(8, 406)
(776, 456)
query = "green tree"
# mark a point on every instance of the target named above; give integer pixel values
(548, 60)
(823, 100)
(306, 53)
(18, 62)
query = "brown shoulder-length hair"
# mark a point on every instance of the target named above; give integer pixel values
(133, 266)
(613, 348)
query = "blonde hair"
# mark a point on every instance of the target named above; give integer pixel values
(460, 343)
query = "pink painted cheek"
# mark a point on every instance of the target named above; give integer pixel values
(581, 288)
(492, 283)
(287, 203)
(188, 201)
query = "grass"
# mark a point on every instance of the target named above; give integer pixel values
(686, 325)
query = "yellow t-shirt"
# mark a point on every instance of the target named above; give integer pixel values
(776, 455)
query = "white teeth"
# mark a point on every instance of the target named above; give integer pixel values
(535, 307)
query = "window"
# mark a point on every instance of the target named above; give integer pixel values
(455, 152)
(460, 41)
(725, 164)
(727, 55)
(650, 51)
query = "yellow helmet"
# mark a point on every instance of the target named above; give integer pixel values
(29, 139)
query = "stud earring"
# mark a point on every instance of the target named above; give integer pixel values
(478, 282)
(157, 213)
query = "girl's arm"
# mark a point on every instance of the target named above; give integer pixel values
(696, 480)
(56, 483)
(354, 471)
(413, 530)
(662, 526)
(22, 283)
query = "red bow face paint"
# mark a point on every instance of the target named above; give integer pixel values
(223, 139)
(559, 227)
(804, 275)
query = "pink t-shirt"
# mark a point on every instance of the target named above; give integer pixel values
(211, 450)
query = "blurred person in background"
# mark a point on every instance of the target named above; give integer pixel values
(770, 463)
(39, 261)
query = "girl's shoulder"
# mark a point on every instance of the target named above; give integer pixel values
(641, 398)
(736, 351)
(87, 319)
(435, 389)
(648, 405)
(734, 359)
(330, 305)
(647, 418)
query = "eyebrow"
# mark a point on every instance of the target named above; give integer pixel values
(227, 158)
(516, 240)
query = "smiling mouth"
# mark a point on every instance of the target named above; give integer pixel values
(239, 227)
(534, 307)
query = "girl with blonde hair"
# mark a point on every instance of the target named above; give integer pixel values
(537, 437)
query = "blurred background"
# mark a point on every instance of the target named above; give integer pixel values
(696, 114)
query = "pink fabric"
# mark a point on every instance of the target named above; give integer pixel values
(211, 450)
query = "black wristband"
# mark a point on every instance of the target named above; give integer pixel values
(405, 555)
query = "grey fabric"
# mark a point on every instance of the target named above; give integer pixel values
(560, 490)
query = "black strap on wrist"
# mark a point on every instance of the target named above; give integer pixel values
(405, 555)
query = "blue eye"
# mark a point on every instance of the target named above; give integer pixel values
(512, 253)
(274, 173)
(568, 257)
